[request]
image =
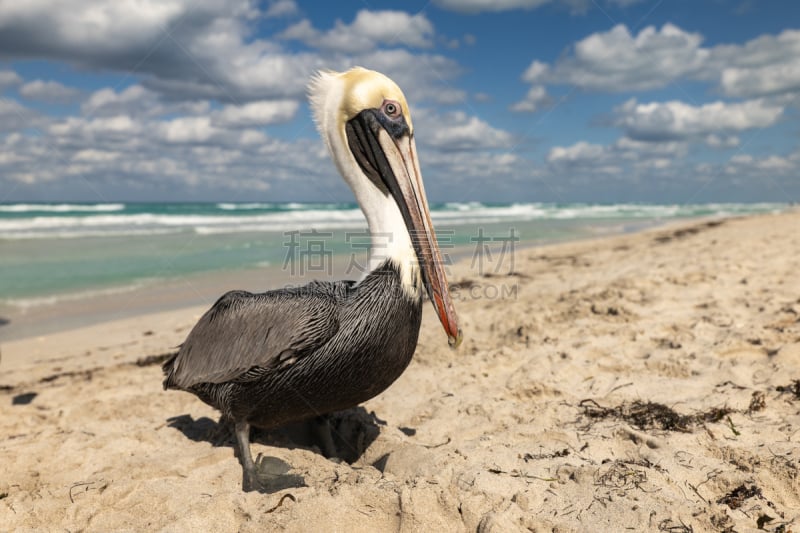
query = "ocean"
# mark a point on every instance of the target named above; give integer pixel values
(64, 252)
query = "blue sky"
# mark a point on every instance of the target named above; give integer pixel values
(673, 101)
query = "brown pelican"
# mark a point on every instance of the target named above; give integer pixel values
(284, 355)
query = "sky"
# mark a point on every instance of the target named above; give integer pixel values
(610, 101)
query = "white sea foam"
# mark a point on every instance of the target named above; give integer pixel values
(61, 208)
(242, 207)
(235, 218)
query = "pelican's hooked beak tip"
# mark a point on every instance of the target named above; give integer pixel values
(455, 342)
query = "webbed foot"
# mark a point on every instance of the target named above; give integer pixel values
(269, 474)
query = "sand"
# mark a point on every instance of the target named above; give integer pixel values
(645, 382)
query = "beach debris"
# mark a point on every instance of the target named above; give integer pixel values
(735, 498)
(82, 487)
(538, 456)
(620, 475)
(287, 496)
(763, 520)
(510, 274)
(24, 398)
(465, 283)
(757, 402)
(685, 232)
(653, 415)
(733, 427)
(792, 388)
(85, 374)
(669, 525)
(610, 310)
(667, 344)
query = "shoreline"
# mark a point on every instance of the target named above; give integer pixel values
(47, 315)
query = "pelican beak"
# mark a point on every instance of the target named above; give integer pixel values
(387, 153)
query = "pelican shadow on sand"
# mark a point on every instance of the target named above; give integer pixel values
(352, 432)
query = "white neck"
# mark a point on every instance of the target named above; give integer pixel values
(390, 238)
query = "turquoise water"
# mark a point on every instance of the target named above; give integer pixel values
(54, 251)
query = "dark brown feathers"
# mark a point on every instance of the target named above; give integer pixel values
(244, 330)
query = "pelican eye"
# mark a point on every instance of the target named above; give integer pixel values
(391, 109)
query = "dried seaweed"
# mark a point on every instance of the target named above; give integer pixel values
(620, 475)
(757, 402)
(653, 415)
(792, 388)
(85, 374)
(685, 232)
(735, 498)
(539, 456)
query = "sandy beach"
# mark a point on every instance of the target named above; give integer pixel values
(643, 382)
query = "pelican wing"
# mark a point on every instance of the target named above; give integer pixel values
(243, 330)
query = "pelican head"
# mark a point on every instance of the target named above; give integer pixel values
(363, 118)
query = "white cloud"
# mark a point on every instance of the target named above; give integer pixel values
(479, 6)
(138, 101)
(624, 160)
(617, 61)
(583, 157)
(15, 116)
(95, 156)
(722, 141)
(92, 30)
(367, 31)
(761, 81)
(774, 164)
(632, 148)
(675, 120)
(187, 50)
(178, 155)
(579, 151)
(763, 66)
(9, 78)
(535, 72)
(133, 100)
(48, 91)
(535, 99)
(217, 154)
(189, 130)
(281, 8)
(204, 48)
(458, 131)
(256, 113)
(90, 130)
